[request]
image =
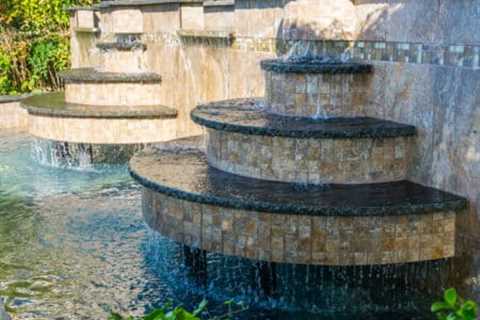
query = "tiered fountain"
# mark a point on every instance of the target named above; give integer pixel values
(302, 177)
(105, 114)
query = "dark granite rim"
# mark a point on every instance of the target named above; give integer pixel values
(54, 105)
(246, 117)
(122, 46)
(133, 3)
(231, 191)
(88, 75)
(11, 98)
(281, 66)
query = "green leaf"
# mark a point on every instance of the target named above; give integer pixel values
(450, 296)
(115, 316)
(200, 308)
(440, 306)
(157, 314)
(469, 310)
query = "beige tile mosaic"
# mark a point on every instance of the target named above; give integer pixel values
(107, 131)
(303, 239)
(114, 94)
(13, 116)
(310, 160)
(123, 61)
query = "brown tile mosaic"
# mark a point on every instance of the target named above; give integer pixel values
(317, 95)
(309, 160)
(300, 239)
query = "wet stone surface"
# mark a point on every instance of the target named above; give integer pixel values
(248, 117)
(9, 99)
(124, 46)
(185, 174)
(314, 66)
(88, 75)
(54, 105)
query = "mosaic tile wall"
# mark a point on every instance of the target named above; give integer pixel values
(107, 131)
(310, 160)
(467, 56)
(12, 116)
(302, 239)
(317, 95)
(123, 94)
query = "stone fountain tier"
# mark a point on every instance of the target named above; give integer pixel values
(317, 89)
(189, 201)
(123, 56)
(246, 140)
(93, 87)
(53, 118)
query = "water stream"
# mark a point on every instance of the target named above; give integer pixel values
(73, 245)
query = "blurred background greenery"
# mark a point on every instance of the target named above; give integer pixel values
(34, 43)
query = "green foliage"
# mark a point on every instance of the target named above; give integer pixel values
(168, 312)
(453, 307)
(34, 43)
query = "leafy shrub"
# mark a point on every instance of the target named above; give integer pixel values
(168, 312)
(453, 307)
(34, 43)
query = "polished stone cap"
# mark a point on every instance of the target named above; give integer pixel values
(185, 174)
(89, 75)
(284, 66)
(123, 46)
(54, 105)
(132, 3)
(8, 99)
(247, 116)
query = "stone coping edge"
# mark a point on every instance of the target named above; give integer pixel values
(121, 46)
(133, 3)
(34, 107)
(457, 202)
(280, 66)
(400, 130)
(12, 98)
(88, 75)
(210, 34)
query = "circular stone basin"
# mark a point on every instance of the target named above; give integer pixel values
(285, 66)
(245, 140)
(52, 118)
(203, 207)
(247, 116)
(54, 105)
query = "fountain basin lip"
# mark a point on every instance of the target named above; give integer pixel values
(282, 66)
(245, 117)
(186, 175)
(121, 46)
(13, 98)
(132, 3)
(90, 75)
(54, 105)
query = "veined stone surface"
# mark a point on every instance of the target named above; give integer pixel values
(123, 61)
(328, 19)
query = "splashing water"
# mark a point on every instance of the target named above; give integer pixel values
(74, 244)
